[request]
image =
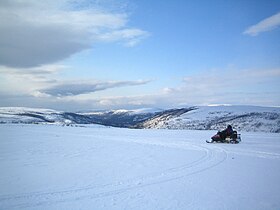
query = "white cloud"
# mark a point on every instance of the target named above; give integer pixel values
(44, 82)
(130, 36)
(247, 86)
(212, 87)
(115, 102)
(35, 33)
(38, 87)
(267, 24)
(27, 81)
(72, 88)
(34, 71)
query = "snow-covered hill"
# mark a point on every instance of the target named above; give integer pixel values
(117, 118)
(242, 118)
(29, 115)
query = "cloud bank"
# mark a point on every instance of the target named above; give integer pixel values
(267, 24)
(247, 86)
(35, 33)
(82, 87)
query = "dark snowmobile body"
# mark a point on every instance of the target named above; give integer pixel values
(233, 139)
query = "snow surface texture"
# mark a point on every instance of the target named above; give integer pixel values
(242, 118)
(56, 167)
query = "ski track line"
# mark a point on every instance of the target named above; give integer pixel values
(252, 153)
(212, 156)
(259, 154)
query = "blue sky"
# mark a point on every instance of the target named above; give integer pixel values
(107, 54)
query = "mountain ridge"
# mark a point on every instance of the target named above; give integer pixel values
(242, 118)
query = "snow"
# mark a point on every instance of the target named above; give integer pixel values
(19, 115)
(146, 110)
(19, 110)
(125, 111)
(218, 111)
(242, 118)
(97, 167)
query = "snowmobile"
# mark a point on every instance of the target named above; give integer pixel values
(234, 138)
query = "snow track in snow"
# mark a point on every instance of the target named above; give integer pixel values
(210, 158)
(53, 167)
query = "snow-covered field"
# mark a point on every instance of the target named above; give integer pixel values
(95, 167)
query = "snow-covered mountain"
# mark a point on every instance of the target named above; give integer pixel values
(29, 115)
(117, 118)
(242, 118)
